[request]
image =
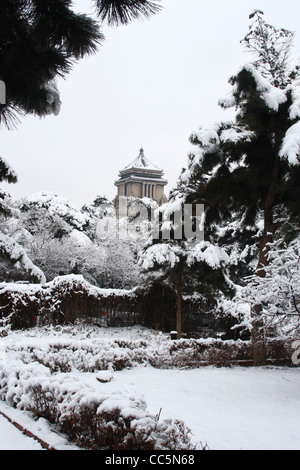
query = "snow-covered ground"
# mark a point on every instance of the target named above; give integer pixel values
(232, 408)
(225, 408)
(13, 439)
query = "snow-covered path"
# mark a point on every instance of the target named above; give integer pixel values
(13, 439)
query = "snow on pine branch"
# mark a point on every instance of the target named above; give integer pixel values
(11, 250)
(235, 134)
(291, 145)
(221, 132)
(212, 255)
(52, 98)
(166, 255)
(6, 172)
(161, 254)
(295, 107)
(207, 138)
(272, 96)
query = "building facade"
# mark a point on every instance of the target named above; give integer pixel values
(142, 179)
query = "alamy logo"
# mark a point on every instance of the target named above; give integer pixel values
(184, 222)
(2, 92)
(296, 355)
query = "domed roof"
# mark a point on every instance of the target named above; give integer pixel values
(142, 162)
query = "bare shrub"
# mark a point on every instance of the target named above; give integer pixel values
(44, 403)
(110, 430)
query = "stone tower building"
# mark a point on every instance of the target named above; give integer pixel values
(142, 179)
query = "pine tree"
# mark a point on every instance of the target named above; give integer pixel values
(41, 39)
(271, 47)
(246, 172)
(123, 11)
(186, 263)
(11, 253)
(250, 167)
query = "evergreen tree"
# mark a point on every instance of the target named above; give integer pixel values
(41, 39)
(186, 263)
(247, 172)
(11, 253)
(123, 11)
(271, 47)
(250, 167)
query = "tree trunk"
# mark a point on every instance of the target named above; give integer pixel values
(257, 334)
(179, 302)
(258, 337)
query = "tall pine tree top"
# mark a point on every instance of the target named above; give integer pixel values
(271, 48)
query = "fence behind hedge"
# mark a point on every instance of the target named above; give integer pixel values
(71, 298)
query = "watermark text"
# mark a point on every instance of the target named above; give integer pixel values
(2, 92)
(296, 355)
(184, 222)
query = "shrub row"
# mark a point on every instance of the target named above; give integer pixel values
(90, 419)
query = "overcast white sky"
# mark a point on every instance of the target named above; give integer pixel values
(151, 84)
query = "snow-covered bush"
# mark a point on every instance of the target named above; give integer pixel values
(90, 416)
(61, 239)
(62, 374)
(17, 256)
(278, 291)
(90, 349)
(95, 426)
(62, 300)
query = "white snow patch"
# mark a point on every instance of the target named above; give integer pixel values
(272, 96)
(291, 145)
(212, 255)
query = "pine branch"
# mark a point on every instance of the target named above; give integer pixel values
(9, 116)
(42, 39)
(272, 47)
(116, 12)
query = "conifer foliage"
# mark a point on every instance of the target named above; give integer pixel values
(41, 39)
(123, 11)
(249, 169)
(271, 47)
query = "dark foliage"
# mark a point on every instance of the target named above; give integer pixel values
(124, 11)
(41, 39)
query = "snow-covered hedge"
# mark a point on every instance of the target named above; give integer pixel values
(91, 349)
(81, 407)
(91, 419)
(69, 298)
(60, 373)
(62, 300)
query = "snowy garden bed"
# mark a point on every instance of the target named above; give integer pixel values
(132, 388)
(45, 371)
